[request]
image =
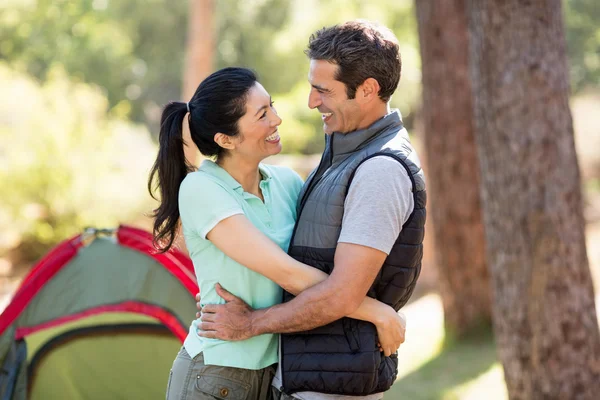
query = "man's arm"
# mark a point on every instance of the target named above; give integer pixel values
(341, 294)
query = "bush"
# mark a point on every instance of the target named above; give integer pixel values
(65, 163)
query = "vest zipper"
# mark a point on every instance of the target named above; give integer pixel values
(314, 181)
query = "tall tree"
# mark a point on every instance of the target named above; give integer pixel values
(199, 57)
(452, 165)
(544, 313)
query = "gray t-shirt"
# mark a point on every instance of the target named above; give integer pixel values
(378, 203)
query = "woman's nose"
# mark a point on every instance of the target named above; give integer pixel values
(277, 120)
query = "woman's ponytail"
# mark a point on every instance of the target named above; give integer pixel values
(169, 169)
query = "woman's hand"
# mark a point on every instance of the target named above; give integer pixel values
(391, 328)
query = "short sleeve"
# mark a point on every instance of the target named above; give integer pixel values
(203, 203)
(379, 201)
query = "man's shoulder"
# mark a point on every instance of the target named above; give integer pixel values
(381, 168)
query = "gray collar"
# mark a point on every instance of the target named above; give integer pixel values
(344, 143)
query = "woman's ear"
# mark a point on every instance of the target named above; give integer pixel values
(225, 141)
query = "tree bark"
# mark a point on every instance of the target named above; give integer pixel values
(199, 58)
(452, 165)
(544, 312)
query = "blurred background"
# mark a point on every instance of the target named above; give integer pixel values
(82, 84)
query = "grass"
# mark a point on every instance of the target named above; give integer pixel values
(432, 369)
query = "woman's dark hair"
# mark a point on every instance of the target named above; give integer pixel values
(217, 106)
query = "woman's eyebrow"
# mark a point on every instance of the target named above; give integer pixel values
(263, 107)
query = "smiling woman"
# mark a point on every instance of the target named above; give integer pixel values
(258, 136)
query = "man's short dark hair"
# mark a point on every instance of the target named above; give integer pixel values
(361, 50)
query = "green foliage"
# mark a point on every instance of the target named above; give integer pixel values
(136, 60)
(134, 50)
(583, 42)
(64, 163)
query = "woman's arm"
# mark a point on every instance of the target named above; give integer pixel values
(240, 240)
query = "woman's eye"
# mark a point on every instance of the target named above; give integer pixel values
(263, 115)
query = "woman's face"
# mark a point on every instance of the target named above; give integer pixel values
(258, 138)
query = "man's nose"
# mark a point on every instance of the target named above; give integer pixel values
(314, 99)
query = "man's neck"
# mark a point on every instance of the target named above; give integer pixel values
(245, 172)
(378, 112)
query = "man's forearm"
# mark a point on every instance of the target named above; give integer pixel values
(314, 307)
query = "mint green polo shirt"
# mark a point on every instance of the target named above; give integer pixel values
(208, 196)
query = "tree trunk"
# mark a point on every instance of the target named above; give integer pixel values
(200, 51)
(544, 312)
(452, 165)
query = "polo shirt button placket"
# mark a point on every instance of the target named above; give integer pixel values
(267, 207)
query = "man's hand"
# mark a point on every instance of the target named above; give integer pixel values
(391, 331)
(230, 321)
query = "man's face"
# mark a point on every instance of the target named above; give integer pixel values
(328, 95)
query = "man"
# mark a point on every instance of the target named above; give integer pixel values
(361, 217)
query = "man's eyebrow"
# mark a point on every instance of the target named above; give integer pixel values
(263, 107)
(322, 89)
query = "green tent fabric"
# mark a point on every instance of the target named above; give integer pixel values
(102, 316)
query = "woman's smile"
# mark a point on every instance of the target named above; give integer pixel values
(273, 138)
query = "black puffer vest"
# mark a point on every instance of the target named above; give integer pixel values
(342, 357)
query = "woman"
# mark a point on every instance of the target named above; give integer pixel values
(237, 217)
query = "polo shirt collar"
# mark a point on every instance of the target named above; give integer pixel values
(214, 169)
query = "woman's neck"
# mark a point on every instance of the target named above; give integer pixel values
(245, 172)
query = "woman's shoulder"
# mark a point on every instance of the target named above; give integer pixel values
(195, 178)
(200, 182)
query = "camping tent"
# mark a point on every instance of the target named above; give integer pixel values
(102, 316)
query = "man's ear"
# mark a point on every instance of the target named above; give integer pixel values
(368, 90)
(225, 141)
